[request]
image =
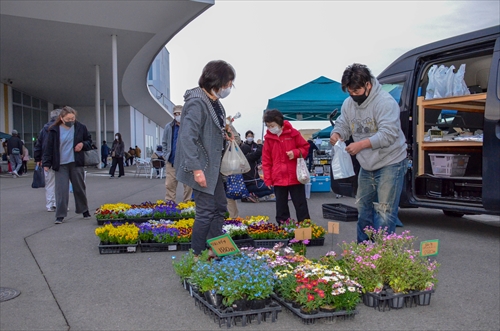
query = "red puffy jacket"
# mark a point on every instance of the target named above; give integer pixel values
(278, 169)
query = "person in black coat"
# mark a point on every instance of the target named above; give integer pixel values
(117, 154)
(255, 185)
(64, 153)
(15, 151)
(312, 148)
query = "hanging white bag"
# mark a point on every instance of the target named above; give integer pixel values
(341, 163)
(303, 175)
(440, 82)
(234, 161)
(431, 85)
(459, 85)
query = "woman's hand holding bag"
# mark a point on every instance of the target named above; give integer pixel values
(234, 161)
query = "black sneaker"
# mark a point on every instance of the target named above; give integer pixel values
(59, 220)
(86, 215)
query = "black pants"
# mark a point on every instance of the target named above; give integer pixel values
(119, 161)
(298, 195)
(104, 160)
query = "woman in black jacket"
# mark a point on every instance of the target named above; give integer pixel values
(117, 154)
(66, 142)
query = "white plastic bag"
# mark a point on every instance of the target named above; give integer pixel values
(431, 85)
(341, 162)
(234, 161)
(303, 175)
(459, 85)
(441, 77)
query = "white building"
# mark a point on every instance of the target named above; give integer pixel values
(106, 59)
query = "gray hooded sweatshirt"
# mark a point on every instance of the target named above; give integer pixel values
(377, 119)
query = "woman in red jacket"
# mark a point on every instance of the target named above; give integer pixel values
(282, 146)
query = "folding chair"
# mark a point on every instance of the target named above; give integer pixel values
(157, 164)
(142, 166)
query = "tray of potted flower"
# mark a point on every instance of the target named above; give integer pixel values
(187, 209)
(267, 234)
(238, 232)
(138, 214)
(111, 213)
(185, 227)
(118, 238)
(317, 232)
(167, 210)
(164, 238)
(235, 289)
(392, 273)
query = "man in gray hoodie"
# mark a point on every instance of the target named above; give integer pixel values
(371, 117)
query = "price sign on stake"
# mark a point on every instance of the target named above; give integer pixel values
(303, 234)
(429, 247)
(333, 227)
(223, 245)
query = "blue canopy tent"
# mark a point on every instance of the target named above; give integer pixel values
(325, 133)
(313, 101)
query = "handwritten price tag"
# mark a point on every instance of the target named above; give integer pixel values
(303, 233)
(429, 247)
(223, 245)
(333, 227)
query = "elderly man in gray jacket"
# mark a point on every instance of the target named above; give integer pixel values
(169, 143)
(201, 142)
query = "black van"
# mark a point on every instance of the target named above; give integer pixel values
(458, 172)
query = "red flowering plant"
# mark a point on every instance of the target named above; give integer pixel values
(309, 293)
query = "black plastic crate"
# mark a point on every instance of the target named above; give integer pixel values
(383, 301)
(244, 242)
(269, 243)
(316, 242)
(158, 247)
(340, 212)
(311, 319)
(230, 318)
(104, 221)
(184, 246)
(117, 249)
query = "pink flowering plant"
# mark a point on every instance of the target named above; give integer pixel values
(389, 259)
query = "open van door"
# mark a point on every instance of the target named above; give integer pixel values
(491, 139)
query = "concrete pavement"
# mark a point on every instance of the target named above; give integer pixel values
(66, 284)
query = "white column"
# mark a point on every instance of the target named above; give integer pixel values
(104, 119)
(115, 84)
(98, 111)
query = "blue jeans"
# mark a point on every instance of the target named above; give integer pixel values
(378, 197)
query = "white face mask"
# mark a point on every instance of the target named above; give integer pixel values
(223, 92)
(275, 130)
(116, 137)
(178, 118)
(250, 139)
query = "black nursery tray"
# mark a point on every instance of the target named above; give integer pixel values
(109, 220)
(340, 212)
(316, 242)
(269, 243)
(158, 247)
(311, 319)
(116, 248)
(382, 301)
(237, 318)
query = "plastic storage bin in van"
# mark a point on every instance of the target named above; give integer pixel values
(448, 165)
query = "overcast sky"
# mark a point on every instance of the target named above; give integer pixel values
(276, 46)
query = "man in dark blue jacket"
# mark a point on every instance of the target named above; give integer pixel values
(104, 153)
